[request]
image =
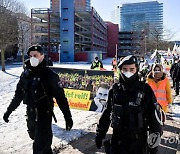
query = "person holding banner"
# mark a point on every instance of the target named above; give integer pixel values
(133, 112)
(97, 64)
(37, 87)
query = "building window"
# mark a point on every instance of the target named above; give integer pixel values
(65, 31)
(65, 42)
(65, 9)
(65, 20)
(65, 52)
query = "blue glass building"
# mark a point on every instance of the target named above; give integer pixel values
(137, 16)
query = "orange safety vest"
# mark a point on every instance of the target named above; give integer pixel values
(160, 91)
(114, 62)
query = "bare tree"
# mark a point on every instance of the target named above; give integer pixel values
(151, 37)
(24, 30)
(9, 26)
(159, 38)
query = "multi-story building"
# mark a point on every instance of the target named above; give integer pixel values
(130, 43)
(125, 46)
(141, 16)
(115, 16)
(45, 30)
(112, 39)
(67, 30)
(138, 23)
(75, 26)
(82, 5)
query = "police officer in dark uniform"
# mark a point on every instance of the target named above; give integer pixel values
(132, 112)
(176, 77)
(173, 71)
(37, 87)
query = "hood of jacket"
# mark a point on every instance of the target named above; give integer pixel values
(150, 76)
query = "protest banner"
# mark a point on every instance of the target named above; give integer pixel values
(85, 89)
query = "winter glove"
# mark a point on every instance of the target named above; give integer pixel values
(98, 141)
(69, 124)
(6, 115)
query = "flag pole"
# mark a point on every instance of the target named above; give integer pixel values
(116, 53)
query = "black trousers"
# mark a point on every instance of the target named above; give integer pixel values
(177, 87)
(40, 130)
(131, 147)
(130, 144)
(173, 82)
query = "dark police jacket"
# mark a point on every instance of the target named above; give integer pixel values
(125, 115)
(176, 72)
(37, 87)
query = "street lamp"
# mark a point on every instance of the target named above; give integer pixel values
(145, 43)
(59, 53)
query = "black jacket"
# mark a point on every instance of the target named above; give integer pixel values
(172, 70)
(176, 72)
(125, 97)
(37, 87)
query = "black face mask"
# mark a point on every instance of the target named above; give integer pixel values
(131, 80)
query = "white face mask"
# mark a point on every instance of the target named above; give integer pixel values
(128, 74)
(34, 61)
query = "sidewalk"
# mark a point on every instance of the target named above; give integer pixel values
(173, 123)
(178, 147)
(170, 137)
(170, 143)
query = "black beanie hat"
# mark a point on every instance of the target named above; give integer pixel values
(35, 48)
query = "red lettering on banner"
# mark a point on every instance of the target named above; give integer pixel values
(78, 104)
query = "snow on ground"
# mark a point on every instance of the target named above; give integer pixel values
(176, 108)
(13, 135)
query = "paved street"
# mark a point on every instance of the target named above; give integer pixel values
(169, 142)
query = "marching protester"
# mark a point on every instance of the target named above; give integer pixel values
(133, 111)
(144, 71)
(114, 64)
(172, 71)
(160, 84)
(96, 64)
(37, 87)
(176, 77)
(141, 63)
(49, 62)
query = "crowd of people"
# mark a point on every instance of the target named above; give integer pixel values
(77, 81)
(141, 88)
(134, 106)
(131, 108)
